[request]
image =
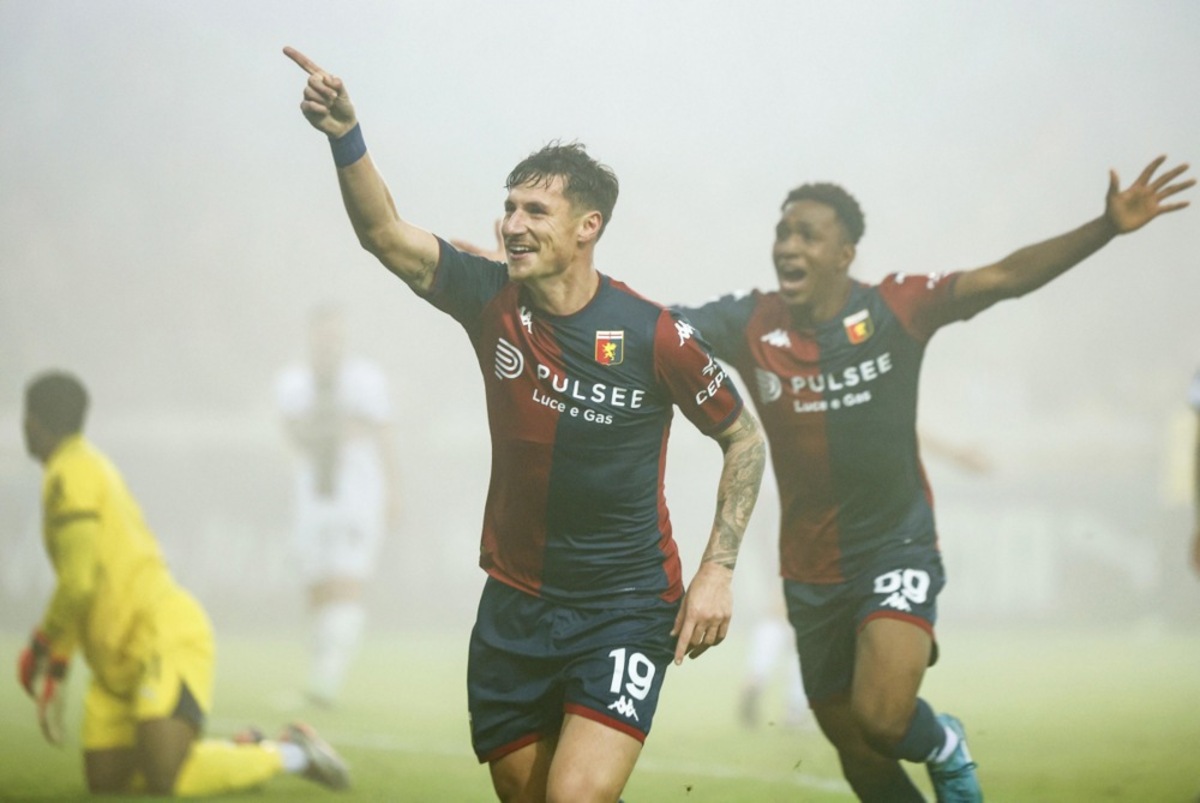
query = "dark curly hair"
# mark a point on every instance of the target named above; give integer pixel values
(58, 401)
(587, 184)
(833, 196)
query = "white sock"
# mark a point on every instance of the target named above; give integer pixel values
(948, 748)
(295, 760)
(767, 639)
(337, 631)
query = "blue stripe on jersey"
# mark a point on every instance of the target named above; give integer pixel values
(839, 405)
(579, 408)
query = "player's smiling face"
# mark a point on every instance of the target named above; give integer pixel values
(541, 230)
(812, 257)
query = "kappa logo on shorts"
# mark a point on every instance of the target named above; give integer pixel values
(624, 707)
(903, 587)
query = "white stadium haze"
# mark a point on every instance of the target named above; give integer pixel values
(167, 220)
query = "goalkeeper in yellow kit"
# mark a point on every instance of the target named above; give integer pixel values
(148, 643)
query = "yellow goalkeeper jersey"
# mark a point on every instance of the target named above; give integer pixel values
(110, 570)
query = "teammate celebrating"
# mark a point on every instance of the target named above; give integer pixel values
(834, 364)
(583, 608)
(147, 641)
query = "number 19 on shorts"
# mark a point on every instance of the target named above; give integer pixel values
(638, 669)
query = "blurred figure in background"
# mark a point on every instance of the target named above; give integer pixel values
(337, 414)
(772, 646)
(1194, 400)
(147, 641)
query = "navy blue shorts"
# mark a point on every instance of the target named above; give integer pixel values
(900, 583)
(532, 660)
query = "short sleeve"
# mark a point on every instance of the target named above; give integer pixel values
(696, 382)
(464, 284)
(721, 323)
(923, 303)
(71, 492)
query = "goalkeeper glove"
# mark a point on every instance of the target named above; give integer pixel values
(42, 674)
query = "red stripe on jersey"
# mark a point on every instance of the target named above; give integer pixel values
(921, 302)
(522, 451)
(809, 532)
(666, 541)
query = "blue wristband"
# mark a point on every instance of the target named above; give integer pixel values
(349, 147)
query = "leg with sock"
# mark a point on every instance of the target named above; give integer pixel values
(337, 632)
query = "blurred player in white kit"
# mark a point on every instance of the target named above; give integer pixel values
(337, 413)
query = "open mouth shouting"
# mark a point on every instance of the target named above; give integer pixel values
(792, 278)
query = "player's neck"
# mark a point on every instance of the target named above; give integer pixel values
(565, 293)
(817, 311)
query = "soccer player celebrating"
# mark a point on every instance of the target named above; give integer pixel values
(147, 641)
(584, 606)
(834, 364)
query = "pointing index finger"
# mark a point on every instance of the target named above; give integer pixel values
(304, 62)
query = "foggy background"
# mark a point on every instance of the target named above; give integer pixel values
(167, 220)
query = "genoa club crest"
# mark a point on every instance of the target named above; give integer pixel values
(610, 347)
(859, 326)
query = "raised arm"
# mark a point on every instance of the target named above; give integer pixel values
(707, 608)
(1034, 265)
(406, 250)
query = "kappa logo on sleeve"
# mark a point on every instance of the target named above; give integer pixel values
(685, 331)
(931, 279)
(610, 346)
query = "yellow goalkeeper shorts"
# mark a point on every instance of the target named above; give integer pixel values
(174, 652)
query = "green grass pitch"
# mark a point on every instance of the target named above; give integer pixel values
(1059, 717)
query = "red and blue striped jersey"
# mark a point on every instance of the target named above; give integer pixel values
(839, 406)
(579, 409)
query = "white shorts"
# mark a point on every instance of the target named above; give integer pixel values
(335, 543)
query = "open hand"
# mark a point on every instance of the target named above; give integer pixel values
(1143, 200)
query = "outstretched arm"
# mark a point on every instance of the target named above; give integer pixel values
(406, 250)
(707, 608)
(1033, 266)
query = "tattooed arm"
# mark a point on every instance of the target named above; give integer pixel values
(703, 618)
